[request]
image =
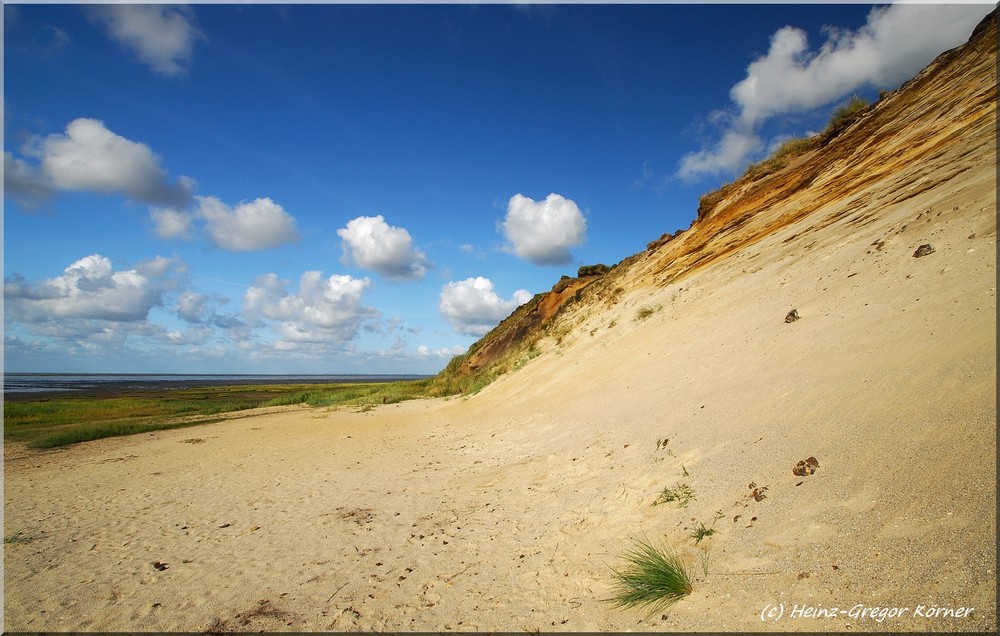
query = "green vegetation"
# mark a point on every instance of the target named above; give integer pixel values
(655, 578)
(458, 379)
(661, 445)
(705, 558)
(780, 158)
(681, 493)
(599, 269)
(847, 113)
(51, 422)
(794, 147)
(647, 311)
(703, 532)
(361, 395)
(17, 537)
(467, 374)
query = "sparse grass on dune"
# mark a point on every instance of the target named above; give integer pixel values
(780, 158)
(846, 113)
(51, 422)
(646, 311)
(456, 380)
(682, 494)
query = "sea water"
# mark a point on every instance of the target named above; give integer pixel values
(41, 383)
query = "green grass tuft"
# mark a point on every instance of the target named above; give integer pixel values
(655, 578)
(681, 493)
(646, 311)
(702, 532)
(847, 113)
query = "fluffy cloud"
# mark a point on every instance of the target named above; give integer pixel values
(728, 155)
(160, 36)
(258, 225)
(321, 311)
(89, 157)
(171, 223)
(473, 307)
(893, 45)
(423, 351)
(374, 244)
(192, 307)
(90, 289)
(542, 232)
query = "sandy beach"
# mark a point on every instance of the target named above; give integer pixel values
(506, 510)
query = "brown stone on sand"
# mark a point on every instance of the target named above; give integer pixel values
(806, 467)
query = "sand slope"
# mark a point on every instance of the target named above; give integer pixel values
(504, 510)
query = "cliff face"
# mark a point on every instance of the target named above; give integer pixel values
(524, 323)
(913, 141)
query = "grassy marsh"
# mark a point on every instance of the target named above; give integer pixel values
(47, 422)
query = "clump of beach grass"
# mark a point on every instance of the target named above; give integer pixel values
(655, 577)
(701, 531)
(847, 113)
(682, 494)
(646, 311)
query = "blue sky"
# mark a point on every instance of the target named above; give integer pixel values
(369, 188)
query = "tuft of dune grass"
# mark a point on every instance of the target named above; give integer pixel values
(654, 577)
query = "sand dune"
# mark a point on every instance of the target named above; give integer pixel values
(505, 510)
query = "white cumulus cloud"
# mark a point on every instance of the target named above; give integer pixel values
(473, 307)
(374, 244)
(89, 157)
(90, 289)
(423, 351)
(323, 310)
(171, 223)
(160, 36)
(728, 155)
(892, 46)
(544, 231)
(256, 225)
